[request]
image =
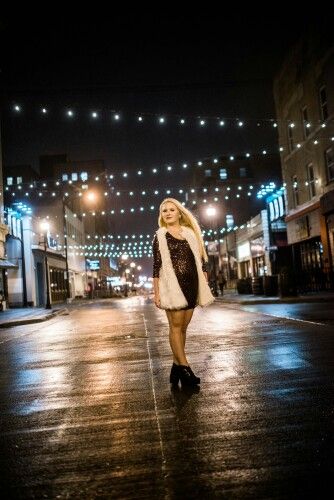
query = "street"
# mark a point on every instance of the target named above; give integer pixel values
(87, 410)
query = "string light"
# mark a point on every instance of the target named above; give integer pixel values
(188, 118)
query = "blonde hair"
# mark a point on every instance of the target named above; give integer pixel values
(186, 219)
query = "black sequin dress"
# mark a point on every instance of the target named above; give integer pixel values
(184, 265)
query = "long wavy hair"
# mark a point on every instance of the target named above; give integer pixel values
(187, 219)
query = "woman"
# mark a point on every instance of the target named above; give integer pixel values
(180, 279)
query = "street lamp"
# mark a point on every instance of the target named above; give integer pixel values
(91, 196)
(45, 228)
(211, 212)
(67, 279)
(91, 199)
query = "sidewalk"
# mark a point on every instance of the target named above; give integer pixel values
(27, 315)
(233, 297)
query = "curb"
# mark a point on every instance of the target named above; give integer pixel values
(39, 319)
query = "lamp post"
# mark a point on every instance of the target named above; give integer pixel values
(45, 227)
(67, 278)
(90, 200)
(211, 213)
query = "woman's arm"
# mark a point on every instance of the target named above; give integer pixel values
(156, 270)
(156, 291)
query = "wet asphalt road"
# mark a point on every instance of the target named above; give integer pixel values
(314, 313)
(87, 410)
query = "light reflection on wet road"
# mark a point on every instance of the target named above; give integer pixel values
(87, 410)
(315, 313)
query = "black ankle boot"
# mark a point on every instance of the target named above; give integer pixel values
(187, 376)
(174, 374)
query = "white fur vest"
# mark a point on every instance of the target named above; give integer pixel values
(171, 295)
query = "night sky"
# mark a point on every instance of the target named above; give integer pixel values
(199, 65)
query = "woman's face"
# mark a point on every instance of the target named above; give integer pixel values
(170, 213)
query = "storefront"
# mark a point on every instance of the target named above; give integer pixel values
(244, 259)
(4, 266)
(258, 256)
(327, 230)
(58, 284)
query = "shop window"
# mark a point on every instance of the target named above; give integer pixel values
(259, 266)
(311, 255)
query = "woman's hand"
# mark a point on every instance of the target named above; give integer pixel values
(157, 300)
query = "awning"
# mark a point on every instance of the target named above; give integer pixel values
(5, 264)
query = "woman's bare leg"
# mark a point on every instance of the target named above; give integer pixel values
(176, 321)
(186, 320)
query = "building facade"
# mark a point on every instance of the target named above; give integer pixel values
(230, 186)
(304, 99)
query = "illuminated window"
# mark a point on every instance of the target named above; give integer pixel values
(272, 212)
(19, 180)
(64, 177)
(84, 176)
(9, 181)
(74, 176)
(208, 172)
(281, 206)
(229, 220)
(223, 173)
(243, 171)
(276, 209)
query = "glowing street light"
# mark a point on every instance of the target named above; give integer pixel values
(91, 196)
(211, 211)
